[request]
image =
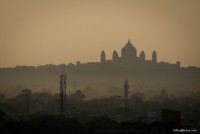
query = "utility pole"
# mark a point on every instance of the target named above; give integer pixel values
(126, 93)
(27, 93)
(63, 79)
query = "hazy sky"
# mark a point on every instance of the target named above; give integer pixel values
(41, 32)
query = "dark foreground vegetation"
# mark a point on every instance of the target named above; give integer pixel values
(50, 124)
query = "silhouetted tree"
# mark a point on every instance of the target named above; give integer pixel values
(89, 92)
(163, 93)
(78, 95)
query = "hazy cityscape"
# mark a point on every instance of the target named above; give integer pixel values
(99, 67)
(157, 96)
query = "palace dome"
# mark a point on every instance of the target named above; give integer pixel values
(129, 50)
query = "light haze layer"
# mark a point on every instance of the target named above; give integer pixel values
(43, 32)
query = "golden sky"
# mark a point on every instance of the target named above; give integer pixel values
(38, 32)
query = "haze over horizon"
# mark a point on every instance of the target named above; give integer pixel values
(54, 32)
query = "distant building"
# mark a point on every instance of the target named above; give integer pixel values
(128, 59)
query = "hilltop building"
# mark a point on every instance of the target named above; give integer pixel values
(128, 59)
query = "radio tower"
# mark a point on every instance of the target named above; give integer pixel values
(126, 93)
(63, 93)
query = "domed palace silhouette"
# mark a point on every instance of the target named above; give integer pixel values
(128, 59)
